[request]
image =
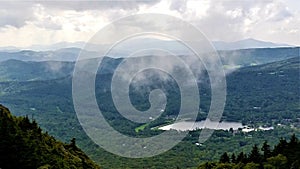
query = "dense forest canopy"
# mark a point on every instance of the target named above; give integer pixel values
(23, 145)
(263, 95)
(284, 155)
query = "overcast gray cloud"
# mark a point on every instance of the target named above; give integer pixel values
(80, 5)
(15, 14)
(46, 22)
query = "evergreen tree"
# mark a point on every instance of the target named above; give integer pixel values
(207, 165)
(292, 151)
(254, 155)
(233, 158)
(280, 147)
(241, 158)
(293, 141)
(224, 158)
(73, 143)
(279, 161)
(288, 157)
(266, 150)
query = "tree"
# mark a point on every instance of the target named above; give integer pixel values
(24, 146)
(280, 147)
(251, 166)
(224, 158)
(254, 155)
(295, 164)
(279, 161)
(242, 158)
(267, 160)
(224, 166)
(73, 143)
(267, 151)
(207, 165)
(233, 158)
(293, 140)
(292, 151)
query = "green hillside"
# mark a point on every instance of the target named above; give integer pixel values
(16, 70)
(23, 145)
(32, 65)
(264, 93)
(285, 154)
(256, 95)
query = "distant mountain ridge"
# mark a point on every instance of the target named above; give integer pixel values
(141, 43)
(31, 65)
(65, 54)
(71, 54)
(246, 44)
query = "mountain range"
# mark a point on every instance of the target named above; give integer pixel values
(263, 88)
(262, 94)
(246, 44)
(229, 58)
(141, 43)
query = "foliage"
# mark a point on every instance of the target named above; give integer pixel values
(224, 158)
(285, 155)
(272, 88)
(24, 146)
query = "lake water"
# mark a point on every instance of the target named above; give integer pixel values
(187, 125)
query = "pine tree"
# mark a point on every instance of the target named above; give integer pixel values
(285, 155)
(292, 151)
(280, 147)
(233, 158)
(241, 158)
(293, 140)
(224, 158)
(73, 143)
(254, 155)
(267, 151)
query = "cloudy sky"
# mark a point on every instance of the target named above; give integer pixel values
(25, 23)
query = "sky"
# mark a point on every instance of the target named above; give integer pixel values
(26, 23)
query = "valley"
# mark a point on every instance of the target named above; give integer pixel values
(150, 84)
(264, 95)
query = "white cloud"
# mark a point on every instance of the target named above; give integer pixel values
(46, 22)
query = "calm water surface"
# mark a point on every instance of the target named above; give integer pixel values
(186, 125)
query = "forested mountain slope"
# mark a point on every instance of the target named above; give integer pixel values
(284, 155)
(23, 145)
(265, 94)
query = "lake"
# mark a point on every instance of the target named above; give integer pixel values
(187, 125)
